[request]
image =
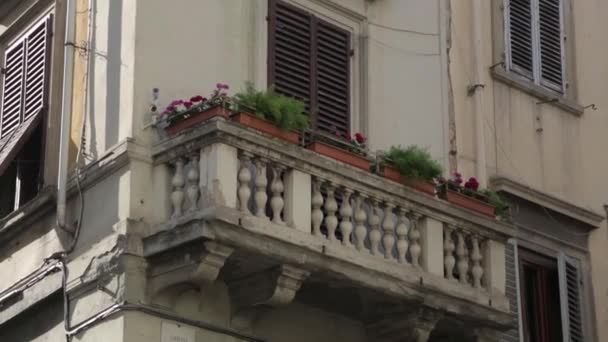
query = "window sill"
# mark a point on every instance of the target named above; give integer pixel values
(28, 212)
(543, 94)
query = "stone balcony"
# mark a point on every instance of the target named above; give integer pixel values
(270, 218)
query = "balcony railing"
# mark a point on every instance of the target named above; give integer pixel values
(355, 218)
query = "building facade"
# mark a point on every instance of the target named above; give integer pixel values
(112, 229)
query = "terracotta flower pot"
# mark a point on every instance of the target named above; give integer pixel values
(340, 155)
(469, 203)
(250, 120)
(393, 174)
(197, 118)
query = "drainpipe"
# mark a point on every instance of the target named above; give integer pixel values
(66, 112)
(477, 90)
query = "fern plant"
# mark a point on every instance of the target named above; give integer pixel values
(285, 112)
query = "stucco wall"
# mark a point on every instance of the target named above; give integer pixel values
(540, 145)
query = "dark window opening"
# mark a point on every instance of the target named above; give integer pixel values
(540, 294)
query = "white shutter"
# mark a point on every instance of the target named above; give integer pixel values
(551, 43)
(513, 291)
(518, 18)
(570, 299)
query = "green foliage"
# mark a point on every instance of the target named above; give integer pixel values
(501, 207)
(286, 112)
(414, 162)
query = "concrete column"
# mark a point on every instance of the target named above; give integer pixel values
(494, 266)
(218, 175)
(298, 188)
(431, 239)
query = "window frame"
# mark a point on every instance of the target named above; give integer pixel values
(566, 100)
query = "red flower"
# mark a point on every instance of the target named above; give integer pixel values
(188, 104)
(196, 98)
(472, 184)
(348, 137)
(177, 102)
(338, 134)
(361, 139)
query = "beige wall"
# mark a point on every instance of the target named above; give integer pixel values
(542, 145)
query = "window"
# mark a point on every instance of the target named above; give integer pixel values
(534, 35)
(309, 59)
(24, 95)
(549, 296)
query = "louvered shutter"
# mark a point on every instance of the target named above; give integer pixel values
(512, 290)
(550, 31)
(290, 54)
(25, 81)
(519, 16)
(36, 69)
(309, 59)
(333, 78)
(12, 88)
(570, 289)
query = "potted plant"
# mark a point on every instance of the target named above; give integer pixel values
(343, 147)
(412, 166)
(183, 114)
(271, 113)
(471, 197)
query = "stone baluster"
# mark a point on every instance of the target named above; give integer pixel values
(276, 188)
(178, 182)
(360, 217)
(388, 227)
(476, 270)
(331, 206)
(463, 259)
(317, 204)
(375, 235)
(261, 182)
(244, 191)
(402, 230)
(448, 251)
(193, 177)
(346, 212)
(415, 249)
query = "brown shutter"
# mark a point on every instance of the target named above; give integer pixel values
(289, 51)
(12, 88)
(25, 81)
(333, 77)
(309, 59)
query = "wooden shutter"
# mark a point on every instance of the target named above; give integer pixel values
(519, 29)
(570, 288)
(309, 59)
(551, 50)
(333, 78)
(290, 54)
(12, 88)
(512, 290)
(25, 81)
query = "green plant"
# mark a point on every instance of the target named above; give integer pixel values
(501, 207)
(286, 112)
(413, 162)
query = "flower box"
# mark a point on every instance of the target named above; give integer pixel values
(196, 118)
(469, 202)
(339, 154)
(393, 174)
(265, 126)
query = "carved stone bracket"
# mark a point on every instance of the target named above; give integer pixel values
(270, 288)
(202, 272)
(412, 326)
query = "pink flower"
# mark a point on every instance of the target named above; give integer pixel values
(188, 104)
(338, 134)
(472, 184)
(177, 102)
(219, 86)
(457, 178)
(204, 99)
(348, 137)
(170, 109)
(196, 98)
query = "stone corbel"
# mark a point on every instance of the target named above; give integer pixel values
(200, 273)
(270, 288)
(413, 326)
